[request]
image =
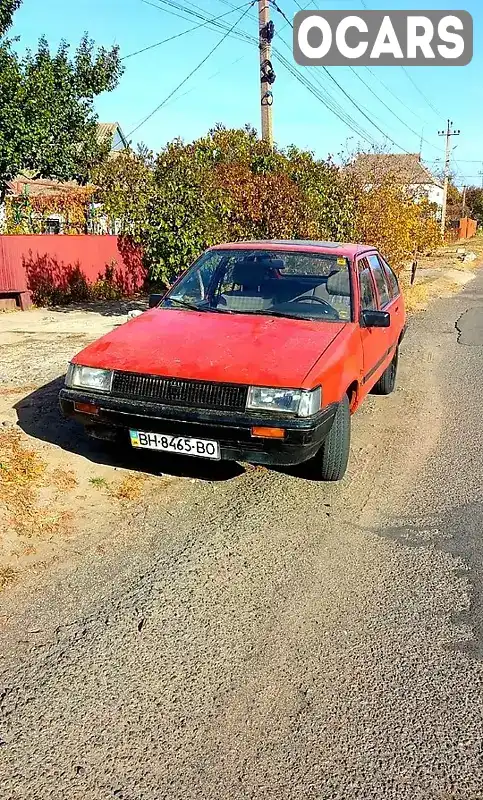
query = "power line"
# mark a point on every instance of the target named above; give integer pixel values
(328, 101)
(351, 99)
(412, 81)
(217, 45)
(330, 104)
(182, 33)
(394, 95)
(325, 98)
(429, 103)
(213, 24)
(391, 111)
(322, 94)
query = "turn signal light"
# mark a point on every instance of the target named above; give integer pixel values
(268, 433)
(86, 408)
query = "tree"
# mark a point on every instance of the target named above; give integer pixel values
(474, 201)
(47, 118)
(125, 185)
(388, 217)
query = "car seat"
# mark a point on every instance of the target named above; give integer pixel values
(254, 295)
(339, 292)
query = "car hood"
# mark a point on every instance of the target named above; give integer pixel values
(261, 350)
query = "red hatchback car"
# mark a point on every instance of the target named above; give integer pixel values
(260, 352)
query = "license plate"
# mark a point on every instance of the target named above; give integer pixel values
(182, 445)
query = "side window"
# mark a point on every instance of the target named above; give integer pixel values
(380, 279)
(368, 294)
(392, 281)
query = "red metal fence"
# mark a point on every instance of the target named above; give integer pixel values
(464, 228)
(467, 228)
(27, 262)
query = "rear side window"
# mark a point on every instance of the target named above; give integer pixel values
(391, 279)
(368, 294)
(380, 278)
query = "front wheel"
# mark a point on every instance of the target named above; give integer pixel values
(330, 463)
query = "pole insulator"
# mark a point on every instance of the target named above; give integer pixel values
(267, 32)
(267, 74)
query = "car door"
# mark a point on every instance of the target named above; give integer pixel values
(396, 303)
(387, 301)
(374, 340)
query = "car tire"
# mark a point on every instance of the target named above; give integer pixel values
(387, 382)
(330, 463)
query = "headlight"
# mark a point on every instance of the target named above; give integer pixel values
(79, 377)
(301, 402)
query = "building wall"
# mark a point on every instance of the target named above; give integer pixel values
(435, 194)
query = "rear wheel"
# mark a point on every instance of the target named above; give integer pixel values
(330, 463)
(387, 382)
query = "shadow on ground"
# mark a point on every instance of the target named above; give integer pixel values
(40, 417)
(106, 308)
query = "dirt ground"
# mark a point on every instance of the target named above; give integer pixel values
(62, 493)
(56, 485)
(442, 273)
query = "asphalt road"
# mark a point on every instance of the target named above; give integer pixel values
(264, 637)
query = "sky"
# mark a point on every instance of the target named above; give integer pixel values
(226, 87)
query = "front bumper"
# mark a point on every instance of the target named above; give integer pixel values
(232, 430)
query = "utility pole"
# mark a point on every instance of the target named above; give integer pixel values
(464, 200)
(448, 133)
(481, 174)
(266, 31)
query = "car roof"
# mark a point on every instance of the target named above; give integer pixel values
(339, 248)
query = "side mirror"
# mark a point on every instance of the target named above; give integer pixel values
(375, 319)
(155, 299)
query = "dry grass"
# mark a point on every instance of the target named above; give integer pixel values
(130, 488)
(449, 274)
(14, 390)
(416, 297)
(7, 576)
(22, 474)
(63, 479)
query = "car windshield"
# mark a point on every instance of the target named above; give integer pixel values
(303, 285)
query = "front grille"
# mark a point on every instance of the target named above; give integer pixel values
(178, 392)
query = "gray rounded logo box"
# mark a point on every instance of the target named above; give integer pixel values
(416, 38)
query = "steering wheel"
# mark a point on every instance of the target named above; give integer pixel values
(310, 298)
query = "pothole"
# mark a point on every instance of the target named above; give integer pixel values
(470, 327)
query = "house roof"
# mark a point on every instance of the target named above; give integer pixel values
(23, 184)
(406, 168)
(111, 131)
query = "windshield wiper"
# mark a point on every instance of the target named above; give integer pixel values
(269, 313)
(184, 304)
(192, 307)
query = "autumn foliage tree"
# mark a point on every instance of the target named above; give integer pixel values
(390, 218)
(229, 185)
